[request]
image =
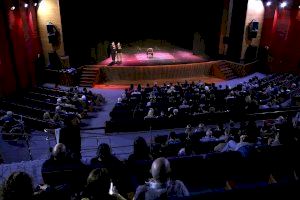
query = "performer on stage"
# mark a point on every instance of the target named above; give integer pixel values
(119, 53)
(113, 51)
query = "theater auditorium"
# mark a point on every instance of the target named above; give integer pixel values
(149, 100)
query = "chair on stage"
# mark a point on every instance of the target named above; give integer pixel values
(150, 53)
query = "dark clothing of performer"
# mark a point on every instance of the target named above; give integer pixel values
(113, 52)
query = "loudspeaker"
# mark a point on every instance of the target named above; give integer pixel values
(50, 29)
(253, 29)
(52, 33)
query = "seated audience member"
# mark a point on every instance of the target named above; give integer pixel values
(274, 141)
(296, 119)
(245, 147)
(61, 171)
(231, 143)
(150, 114)
(208, 137)
(188, 131)
(99, 186)
(161, 186)
(7, 118)
(119, 103)
(226, 137)
(172, 139)
(200, 129)
(18, 186)
(116, 169)
(141, 150)
(187, 150)
(7, 121)
(174, 114)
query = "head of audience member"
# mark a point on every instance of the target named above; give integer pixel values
(57, 109)
(175, 112)
(71, 121)
(18, 186)
(104, 151)
(150, 113)
(59, 152)
(58, 101)
(161, 170)
(188, 147)
(172, 135)
(140, 148)
(83, 98)
(209, 133)
(139, 87)
(188, 130)
(98, 184)
(9, 113)
(212, 109)
(46, 116)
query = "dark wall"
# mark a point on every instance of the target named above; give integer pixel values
(237, 29)
(84, 25)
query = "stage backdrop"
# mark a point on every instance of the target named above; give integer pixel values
(21, 41)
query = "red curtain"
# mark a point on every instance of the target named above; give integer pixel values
(23, 39)
(281, 30)
(7, 76)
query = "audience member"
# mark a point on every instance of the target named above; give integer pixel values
(99, 186)
(18, 186)
(141, 150)
(116, 169)
(161, 186)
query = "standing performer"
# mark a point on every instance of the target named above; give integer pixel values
(119, 52)
(113, 51)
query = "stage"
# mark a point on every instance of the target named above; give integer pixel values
(168, 64)
(163, 55)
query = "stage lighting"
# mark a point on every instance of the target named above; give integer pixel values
(269, 3)
(26, 5)
(35, 4)
(283, 4)
(13, 8)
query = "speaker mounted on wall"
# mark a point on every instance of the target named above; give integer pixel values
(253, 29)
(52, 33)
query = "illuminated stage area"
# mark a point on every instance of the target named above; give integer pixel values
(163, 55)
(169, 63)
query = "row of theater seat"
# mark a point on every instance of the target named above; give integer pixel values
(210, 172)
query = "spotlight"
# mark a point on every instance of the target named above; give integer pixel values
(26, 5)
(13, 8)
(283, 4)
(269, 3)
(35, 4)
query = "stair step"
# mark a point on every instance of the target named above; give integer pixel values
(86, 85)
(91, 68)
(87, 77)
(89, 72)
